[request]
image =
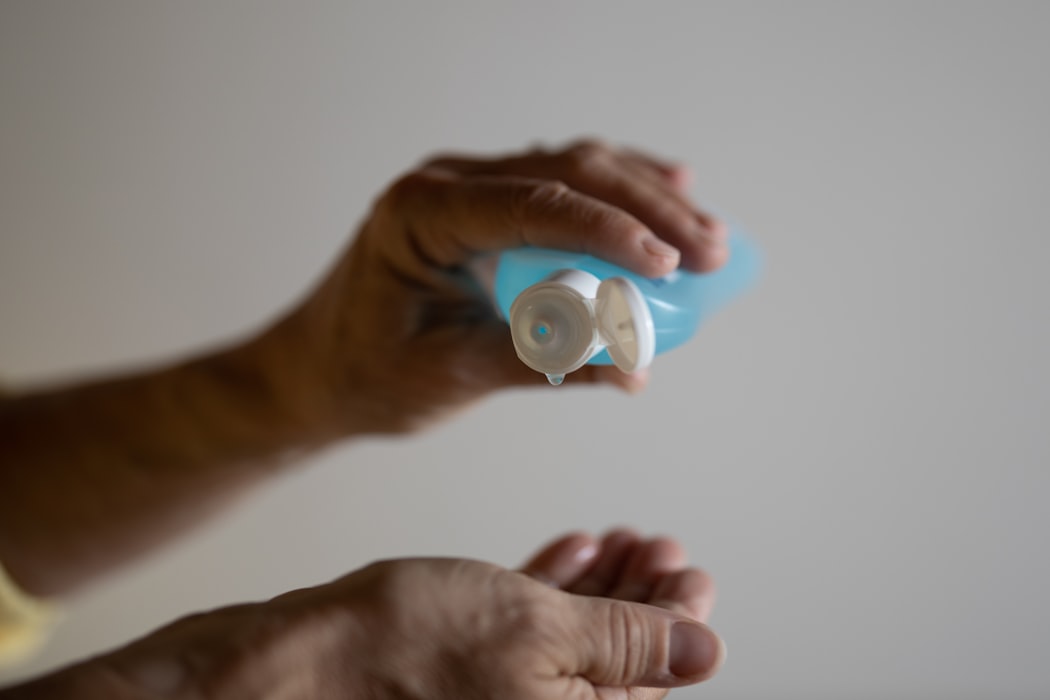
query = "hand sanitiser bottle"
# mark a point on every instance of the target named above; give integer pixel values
(566, 309)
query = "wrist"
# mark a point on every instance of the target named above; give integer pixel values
(280, 387)
(320, 385)
(245, 652)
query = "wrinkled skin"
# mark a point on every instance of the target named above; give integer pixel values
(584, 619)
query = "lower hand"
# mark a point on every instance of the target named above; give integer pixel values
(619, 619)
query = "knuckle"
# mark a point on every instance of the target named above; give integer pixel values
(587, 156)
(538, 196)
(387, 583)
(634, 236)
(533, 623)
(549, 192)
(526, 611)
(437, 160)
(407, 191)
(671, 215)
(589, 147)
(630, 641)
(678, 219)
(538, 149)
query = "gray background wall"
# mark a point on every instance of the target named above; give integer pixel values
(858, 451)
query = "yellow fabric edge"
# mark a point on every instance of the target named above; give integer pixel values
(25, 622)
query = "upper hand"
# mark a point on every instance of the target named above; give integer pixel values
(400, 332)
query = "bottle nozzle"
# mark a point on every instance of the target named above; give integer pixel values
(559, 324)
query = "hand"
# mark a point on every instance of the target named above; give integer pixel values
(615, 620)
(400, 333)
(622, 566)
(612, 620)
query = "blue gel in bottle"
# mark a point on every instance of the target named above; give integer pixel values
(568, 309)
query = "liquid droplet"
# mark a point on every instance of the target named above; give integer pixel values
(555, 379)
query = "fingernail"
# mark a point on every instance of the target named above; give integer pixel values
(695, 650)
(586, 552)
(654, 246)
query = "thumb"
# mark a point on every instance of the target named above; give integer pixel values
(618, 643)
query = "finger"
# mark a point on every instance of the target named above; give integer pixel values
(617, 643)
(678, 175)
(689, 592)
(631, 183)
(650, 189)
(563, 561)
(615, 550)
(658, 206)
(699, 236)
(649, 562)
(447, 220)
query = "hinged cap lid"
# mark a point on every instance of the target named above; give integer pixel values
(625, 324)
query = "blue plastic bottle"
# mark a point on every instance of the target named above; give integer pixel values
(568, 309)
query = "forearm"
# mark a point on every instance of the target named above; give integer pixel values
(252, 651)
(85, 681)
(92, 475)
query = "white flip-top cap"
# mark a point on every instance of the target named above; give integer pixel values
(625, 324)
(559, 324)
